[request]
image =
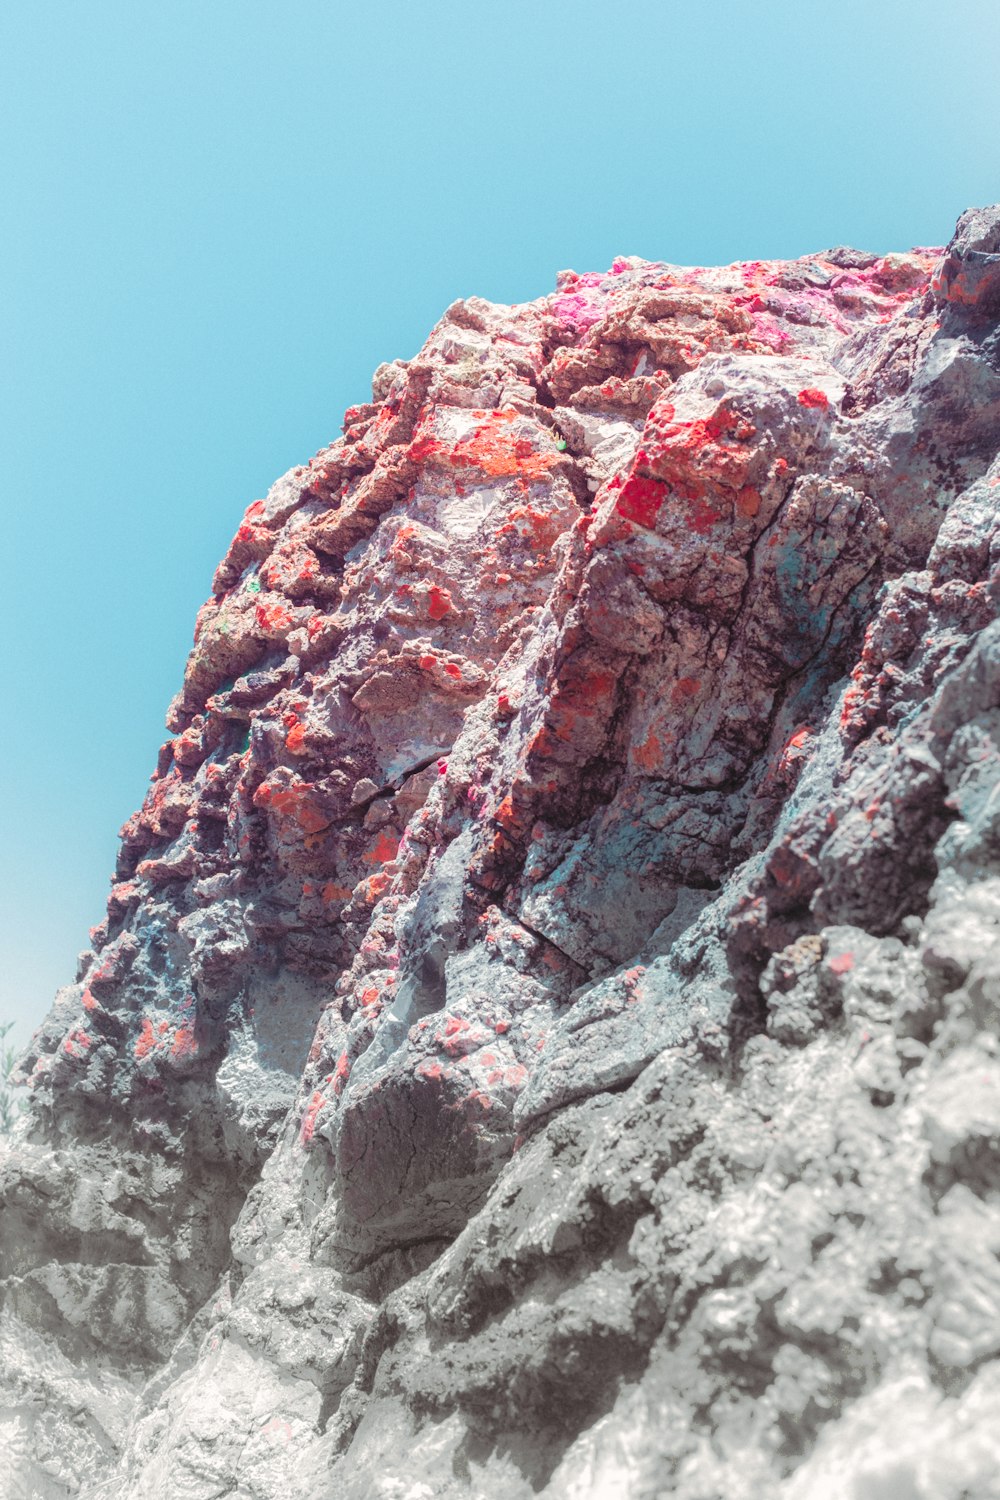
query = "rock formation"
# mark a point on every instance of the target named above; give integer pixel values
(543, 1037)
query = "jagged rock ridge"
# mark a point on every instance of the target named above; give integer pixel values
(543, 1038)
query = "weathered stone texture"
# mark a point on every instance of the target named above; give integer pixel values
(544, 1034)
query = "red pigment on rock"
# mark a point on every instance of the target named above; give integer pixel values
(439, 602)
(640, 499)
(309, 1118)
(340, 1074)
(77, 1043)
(295, 737)
(701, 462)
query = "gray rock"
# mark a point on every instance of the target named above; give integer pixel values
(543, 1039)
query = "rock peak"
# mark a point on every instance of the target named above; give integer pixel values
(542, 1038)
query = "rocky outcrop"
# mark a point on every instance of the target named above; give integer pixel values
(543, 1037)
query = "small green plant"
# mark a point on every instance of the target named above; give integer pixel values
(10, 1105)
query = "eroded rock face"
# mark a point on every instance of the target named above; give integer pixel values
(543, 1038)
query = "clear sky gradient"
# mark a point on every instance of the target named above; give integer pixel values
(219, 216)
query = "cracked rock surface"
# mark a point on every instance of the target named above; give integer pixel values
(543, 1039)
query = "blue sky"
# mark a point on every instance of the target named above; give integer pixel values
(221, 215)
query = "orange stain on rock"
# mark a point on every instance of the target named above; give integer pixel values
(649, 755)
(376, 886)
(146, 1039)
(504, 814)
(184, 1044)
(333, 892)
(683, 690)
(540, 528)
(292, 803)
(382, 850)
(273, 619)
(492, 448)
